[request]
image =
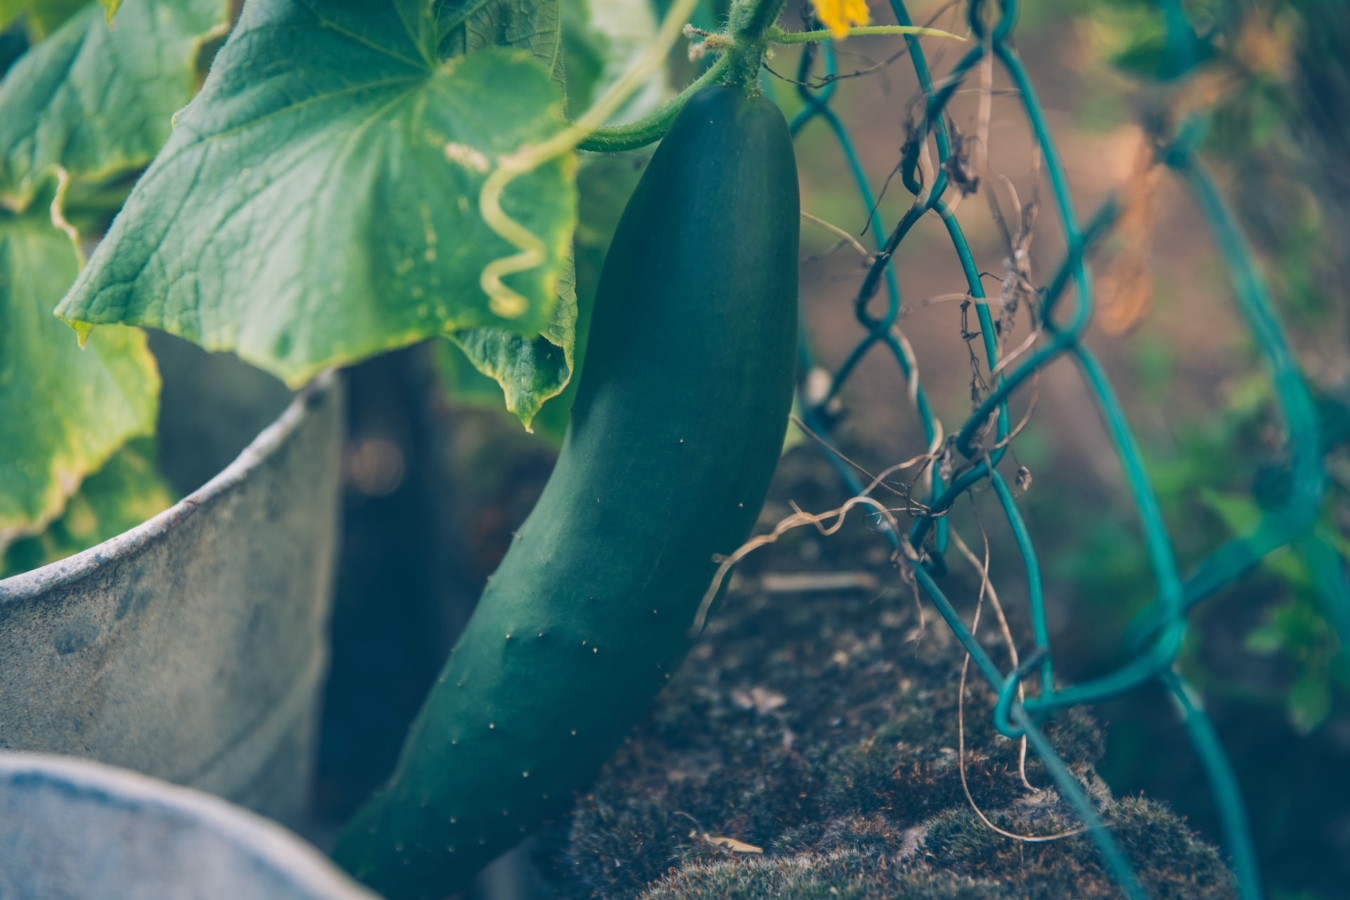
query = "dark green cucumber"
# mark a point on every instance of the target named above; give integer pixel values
(675, 432)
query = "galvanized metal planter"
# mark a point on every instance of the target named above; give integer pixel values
(193, 647)
(78, 830)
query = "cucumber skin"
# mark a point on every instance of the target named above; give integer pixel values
(675, 432)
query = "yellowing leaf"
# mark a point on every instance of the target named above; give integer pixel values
(127, 491)
(841, 15)
(97, 101)
(63, 411)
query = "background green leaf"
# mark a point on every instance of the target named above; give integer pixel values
(97, 100)
(317, 203)
(86, 107)
(531, 25)
(63, 411)
(43, 16)
(613, 35)
(121, 495)
(585, 52)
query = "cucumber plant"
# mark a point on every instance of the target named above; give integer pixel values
(359, 175)
(675, 431)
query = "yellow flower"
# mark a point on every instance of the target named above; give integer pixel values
(841, 15)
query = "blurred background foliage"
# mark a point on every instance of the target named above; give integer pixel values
(1267, 653)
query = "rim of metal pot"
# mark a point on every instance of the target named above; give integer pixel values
(27, 585)
(255, 834)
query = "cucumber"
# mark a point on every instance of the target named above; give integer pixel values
(675, 431)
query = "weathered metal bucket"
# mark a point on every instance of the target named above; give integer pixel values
(78, 830)
(193, 647)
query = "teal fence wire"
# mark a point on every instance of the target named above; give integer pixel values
(1064, 307)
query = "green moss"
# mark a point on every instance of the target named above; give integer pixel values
(839, 875)
(822, 731)
(1167, 857)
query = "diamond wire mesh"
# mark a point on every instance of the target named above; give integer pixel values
(974, 453)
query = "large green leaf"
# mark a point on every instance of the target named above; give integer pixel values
(63, 410)
(121, 495)
(318, 201)
(96, 100)
(625, 30)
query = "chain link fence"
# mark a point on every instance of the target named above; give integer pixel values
(1059, 312)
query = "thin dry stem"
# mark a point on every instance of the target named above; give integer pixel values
(835, 229)
(1027, 344)
(948, 298)
(926, 167)
(987, 588)
(913, 362)
(983, 568)
(796, 520)
(1026, 417)
(876, 480)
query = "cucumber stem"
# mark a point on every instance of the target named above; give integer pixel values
(749, 26)
(742, 47)
(652, 127)
(751, 19)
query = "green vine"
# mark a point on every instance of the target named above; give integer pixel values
(742, 47)
(740, 54)
(748, 28)
(504, 301)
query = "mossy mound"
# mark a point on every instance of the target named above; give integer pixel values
(823, 730)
